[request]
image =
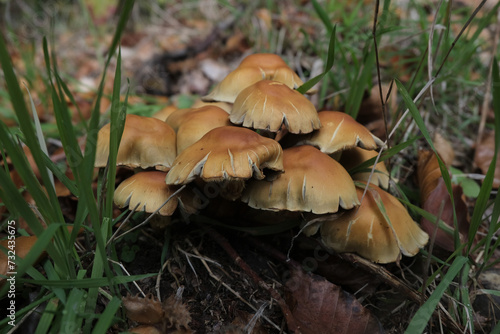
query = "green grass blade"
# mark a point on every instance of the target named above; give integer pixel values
(40, 136)
(444, 170)
(82, 283)
(42, 243)
(421, 318)
(386, 155)
(87, 169)
(24, 118)
(24, 170)
(358, 87)
(430, 217)
(15, 201)
(329, 64)
(117, 124)
(484, 192)
(323, 15)
(47, 317)
(28, 308)
(106, 318)
(72, 316)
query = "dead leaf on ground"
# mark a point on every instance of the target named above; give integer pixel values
(444, 148)
(484, 156)
(169, 315)
(21, 246)
(319, 306)
(433, 193)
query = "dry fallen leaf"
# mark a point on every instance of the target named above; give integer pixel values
(484, 156)
(433, 193)
(319, 306)
(444, 149)
(171, 314)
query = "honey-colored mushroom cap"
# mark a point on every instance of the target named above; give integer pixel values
(227, 153)
(355, 156)
(254, 68)
(267, 105)
(338, 132)
(146, 142)
(312, 182)
(148, 191)
(192, 124)
(366, 231)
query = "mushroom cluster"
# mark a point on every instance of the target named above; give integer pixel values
(268, 149)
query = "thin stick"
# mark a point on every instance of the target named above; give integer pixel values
(459, 35)
(384, 106)
(253, 275)
(218, 279)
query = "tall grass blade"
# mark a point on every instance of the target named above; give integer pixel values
(421, 318)
(329, 64)
(24, 118)
(323, 15)
(39, 134)
(72, 316)
(386, 155)
(82, 283)
(360, 83)
(117, 124)
(106, 319)
(484, 192)
(100, 260)
(47, 317)
(444, 170)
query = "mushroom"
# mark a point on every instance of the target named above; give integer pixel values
(223, 105)
(312, 182)
(254, 68)
(192, 124)
(164, 112)
(338, 132)
(146, 142)
(379, 230)
(355, 156)
(267, 105)
(227, 154)
(147, 191)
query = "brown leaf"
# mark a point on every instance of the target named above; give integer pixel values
(484, 156)
(143, 310)
(433, 193)
(319, 306)
(176, 313)
(444, 149)
(21, 246)
(172, 313)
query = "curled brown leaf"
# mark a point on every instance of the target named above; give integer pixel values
(319, 306)
(435, 199)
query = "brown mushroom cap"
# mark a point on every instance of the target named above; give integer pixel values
(355, 156)
(254, 68)
(338, 132)
(149, 191)
(267, 105)
(164, 112)
(312, 182)
(223, 105)
(366, 231)
(227, 153)
(146, 142)
(196, 122)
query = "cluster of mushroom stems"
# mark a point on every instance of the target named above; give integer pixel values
(260, 142)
